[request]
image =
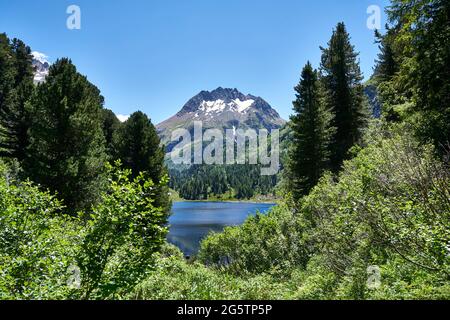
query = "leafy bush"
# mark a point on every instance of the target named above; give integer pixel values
(176, 279)
(261, 244)
(388, 208)
(37, 244)
(121, 236)
(390, 203)
(111, 250)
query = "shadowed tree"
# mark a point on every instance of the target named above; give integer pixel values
(139, 149)
(422, 46)
(312, 131)
(16, 87)
(66, 152)
(344, 93)
(110, 126)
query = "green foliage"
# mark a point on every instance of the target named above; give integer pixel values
(175, 279)
(263, 243)
(16, 86)
(110, 126)
(344, 96)
(312, 133)
(120, 239)
(115, 225)
(38, 245)
(66, 152)
(203, 182)
(113, 248)
(138, 147)
(386, 65)
(388, 207)
(389, 204)
(419, 37)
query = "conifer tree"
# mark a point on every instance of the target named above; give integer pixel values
(110, 125)
(67, 152)
(386, 68)
(422, 44)
(386, 64)
(7, 74)
(344, 94)
(16, 88)
(312, 131)
(139, 149)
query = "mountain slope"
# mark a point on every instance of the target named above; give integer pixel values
(222, 109)
(41, 66)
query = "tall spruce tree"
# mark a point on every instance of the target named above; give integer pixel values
(139, 149)
(344, 93)
(422, 45)
(386, 65)
(16, 88)
(7, 75)
(110, 125)
(312, 131)
(67, 152)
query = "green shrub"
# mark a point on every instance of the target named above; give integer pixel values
(37, 244)
(176, 279)
(389, 203)
(49, 255)
(121, 236)
(261, 244)
(388, 209)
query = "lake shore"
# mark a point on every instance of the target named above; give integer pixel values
(274, 201)
(175, 197)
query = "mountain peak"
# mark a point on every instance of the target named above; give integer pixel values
(225, 96)
(226, 92)
(41, 66)
(223, 108)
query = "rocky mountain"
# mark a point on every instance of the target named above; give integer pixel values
(370, 91)
(41, 66)
(222, 108)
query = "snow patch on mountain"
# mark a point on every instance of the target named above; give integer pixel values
(122, 117)
(223, 109)
(41, 66)
(219, 105)
(243, 105)
(212, 106)
(39, 56)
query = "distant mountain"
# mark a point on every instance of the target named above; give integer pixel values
(370, 91)
(41, 66)
(222, 108)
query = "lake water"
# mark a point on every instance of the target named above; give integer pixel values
(192, 221)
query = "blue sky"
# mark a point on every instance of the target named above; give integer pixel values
(153, 55)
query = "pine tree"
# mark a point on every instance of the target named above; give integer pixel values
(344, 93)
(7, 74)
(422, 42)
(386, 67)
(66, 152)
(312, 131)
(139, 149)
(17, 87)
(110, 125)
(386, 64)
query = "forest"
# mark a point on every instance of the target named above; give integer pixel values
(364, 202)
(227, 182)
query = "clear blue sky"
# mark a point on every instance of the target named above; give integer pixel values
(153, 55)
